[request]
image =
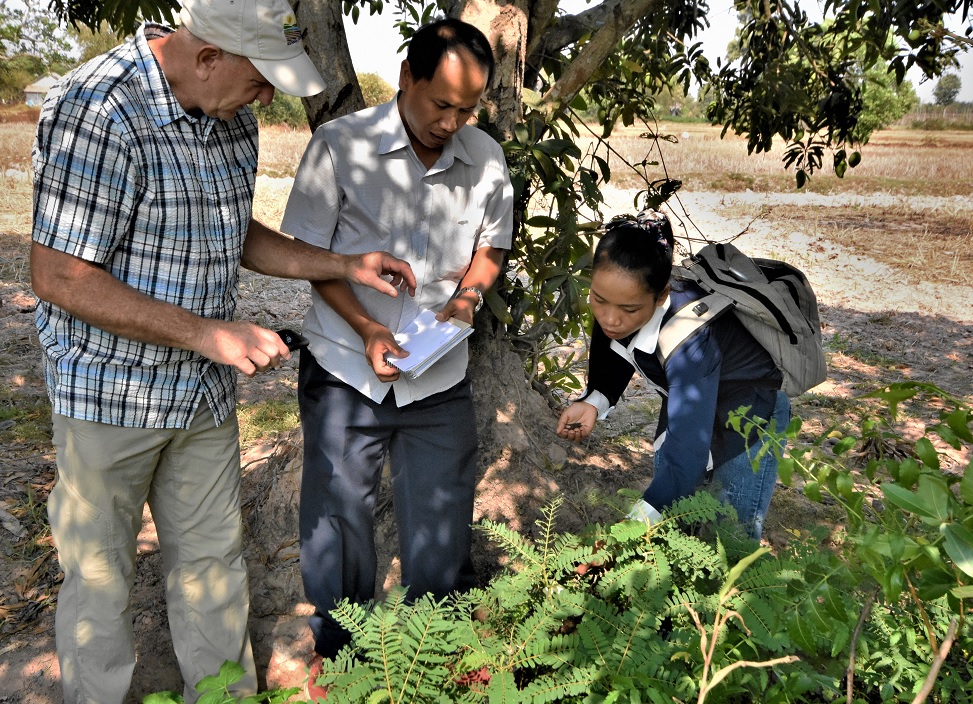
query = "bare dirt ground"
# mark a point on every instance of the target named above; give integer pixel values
(884, 320)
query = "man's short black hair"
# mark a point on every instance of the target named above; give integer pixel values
(436, 39)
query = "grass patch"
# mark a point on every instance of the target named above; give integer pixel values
(263, 419)
(25, 419)
(281, 148)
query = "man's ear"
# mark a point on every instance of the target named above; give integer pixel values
(207, 58)
(405, 74)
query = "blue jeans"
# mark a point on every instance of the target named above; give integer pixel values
(747, 491)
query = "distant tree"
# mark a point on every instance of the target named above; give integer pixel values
(94, 44)
(17, 73)
(283, 110)
(31, 30)
(31, 46)
(883, 102)
(375, 89)
(947, 89)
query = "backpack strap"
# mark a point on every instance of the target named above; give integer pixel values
(684, 323)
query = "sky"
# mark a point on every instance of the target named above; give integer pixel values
(374, 41)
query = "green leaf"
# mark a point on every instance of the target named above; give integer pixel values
(966, 484)
(843, 445)
(541, 221)
(521, 133)
(963, 592)
(734, 574)
(162, 698)
(927, 453)
(812, 490)
(907, 500)
(934, 493)
(936, 583)
(845, 484)
(959, 546)
(906, 472)
(959, 422)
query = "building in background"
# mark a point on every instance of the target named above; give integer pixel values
(35, 93)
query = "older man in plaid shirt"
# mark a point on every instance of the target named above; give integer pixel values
(145, 164)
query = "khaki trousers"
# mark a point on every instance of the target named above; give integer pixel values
(191, 481)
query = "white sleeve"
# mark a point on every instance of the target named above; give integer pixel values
(600, 402)
(644, 511)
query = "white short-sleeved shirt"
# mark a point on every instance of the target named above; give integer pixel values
(361, 188)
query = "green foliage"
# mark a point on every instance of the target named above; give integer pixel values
(94, 43)
(18, 73)
(30, 47)
(375, 89)
(123, 16)
(284, 109)
(688, 609)
(883, 102)
(619, 614)
(909, 544)
(816, 97)
(947, 88)
(215, 689)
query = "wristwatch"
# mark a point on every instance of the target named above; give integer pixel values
(479, 296)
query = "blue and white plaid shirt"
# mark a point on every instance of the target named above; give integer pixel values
(162, 200)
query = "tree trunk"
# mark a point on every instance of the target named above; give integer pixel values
(506, 26)
(327, 45)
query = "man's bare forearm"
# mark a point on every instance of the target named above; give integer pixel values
(90, 293)
(273, 253)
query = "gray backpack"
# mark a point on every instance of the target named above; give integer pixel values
(772, 299)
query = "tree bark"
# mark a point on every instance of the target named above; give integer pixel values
(506, 26)
(327, 45)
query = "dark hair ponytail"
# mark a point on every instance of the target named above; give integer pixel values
(641, 245)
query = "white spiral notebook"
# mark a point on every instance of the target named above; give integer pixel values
(427, 340)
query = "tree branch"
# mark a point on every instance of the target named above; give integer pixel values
(618, 21)
(937, 662)
(565, 30)
(862, 617)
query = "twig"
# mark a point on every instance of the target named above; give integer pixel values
(850, 673)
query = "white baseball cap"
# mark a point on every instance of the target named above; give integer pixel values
(264, 31)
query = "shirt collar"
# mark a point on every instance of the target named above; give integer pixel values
(162, 103)
(395, 137)
(647, 337)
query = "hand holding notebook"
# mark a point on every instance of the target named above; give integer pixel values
(427, 340)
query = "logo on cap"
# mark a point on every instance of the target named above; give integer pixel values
(292, 31)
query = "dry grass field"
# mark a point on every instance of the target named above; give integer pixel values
(896, 229)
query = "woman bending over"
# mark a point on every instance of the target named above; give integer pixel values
(716, 371)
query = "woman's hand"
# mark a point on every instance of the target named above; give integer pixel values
(577, 421)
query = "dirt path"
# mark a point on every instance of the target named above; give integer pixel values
(881, 324)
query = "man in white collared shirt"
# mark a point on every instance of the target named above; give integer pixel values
(413, 178)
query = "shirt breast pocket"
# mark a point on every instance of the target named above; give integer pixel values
(452, 251)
